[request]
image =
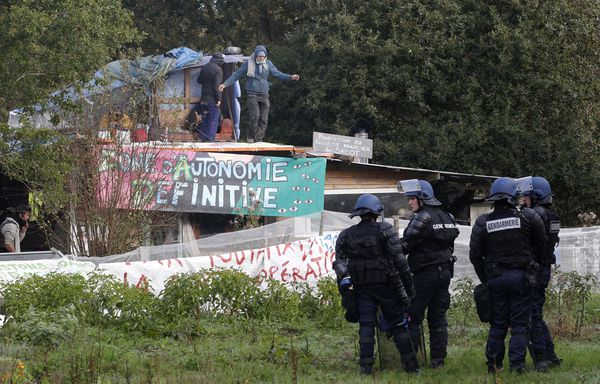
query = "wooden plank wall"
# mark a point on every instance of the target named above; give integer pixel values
(357, 176)
(175, 118)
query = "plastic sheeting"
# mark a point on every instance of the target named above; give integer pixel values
(288, 250)
(139, 72)
(579, 248)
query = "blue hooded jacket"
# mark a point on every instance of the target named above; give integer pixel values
(257, 75)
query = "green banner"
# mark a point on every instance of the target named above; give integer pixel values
(171, 180)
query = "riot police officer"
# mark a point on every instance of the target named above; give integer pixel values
(429, 242)
(539, 198)
(369, 253)
(505, 244)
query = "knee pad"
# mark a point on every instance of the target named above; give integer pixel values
(404, 344)
(366, 335)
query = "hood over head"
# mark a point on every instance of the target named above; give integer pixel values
(260, 50)
(217, 58)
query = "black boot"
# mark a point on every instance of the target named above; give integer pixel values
(437, 363)
(366, 369)
(519, 368)
(494, 369)
(543, 365)
(411, 366)
(554, 360)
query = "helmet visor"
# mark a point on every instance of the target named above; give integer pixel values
(525, 185)
(411, 185)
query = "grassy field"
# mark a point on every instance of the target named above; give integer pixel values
(218, 327)
(249, 352)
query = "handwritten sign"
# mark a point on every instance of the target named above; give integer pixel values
(182, 181)
(342, 145)
(306, 260)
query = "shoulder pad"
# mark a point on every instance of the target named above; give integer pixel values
(481, 220)
(423, 216)
(541, 211)
(384, 225)
(529, 213)
(342, 235)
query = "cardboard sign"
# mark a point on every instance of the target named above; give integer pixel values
(342, 145)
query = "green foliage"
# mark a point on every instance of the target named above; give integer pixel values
(493, 88)
(184, 296)
(279, 303)
(225, 292)
(41, 159)
(98, 300)
(568, 302)
(330, 312)
(47, 328)
(45, 294)
(117, 304)
(287, 331)
(47, 45)
(462, 306)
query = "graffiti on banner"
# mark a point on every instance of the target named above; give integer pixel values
(300, 261)
(170, 180)
(13, 270)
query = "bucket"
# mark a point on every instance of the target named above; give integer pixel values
(139, 135)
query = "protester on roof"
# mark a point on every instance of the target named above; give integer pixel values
(257, 70)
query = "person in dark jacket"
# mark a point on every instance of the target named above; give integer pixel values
(429, 242)
(538, 196)
(257, 70)
(505, 246)
(369, 257)
(210, 78)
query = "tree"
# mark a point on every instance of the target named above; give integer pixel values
(211, 25)
(505, 88)
(47, 45)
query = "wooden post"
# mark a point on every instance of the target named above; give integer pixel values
(321, 223)
(396, 222)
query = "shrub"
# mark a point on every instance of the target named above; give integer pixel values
(567, 300)
(45, 294)
(215, 292)
(462, 304)
(330, 312)
(44, 328)
(278, 302)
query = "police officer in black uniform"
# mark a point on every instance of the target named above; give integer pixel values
(539, 198)
(505, 245)
(370, 255)
(429, 242)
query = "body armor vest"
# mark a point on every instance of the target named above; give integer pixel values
(367, 254)
(507, 238)
(436, 244)
(552, 226)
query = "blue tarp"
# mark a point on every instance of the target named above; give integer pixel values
(140, 72)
